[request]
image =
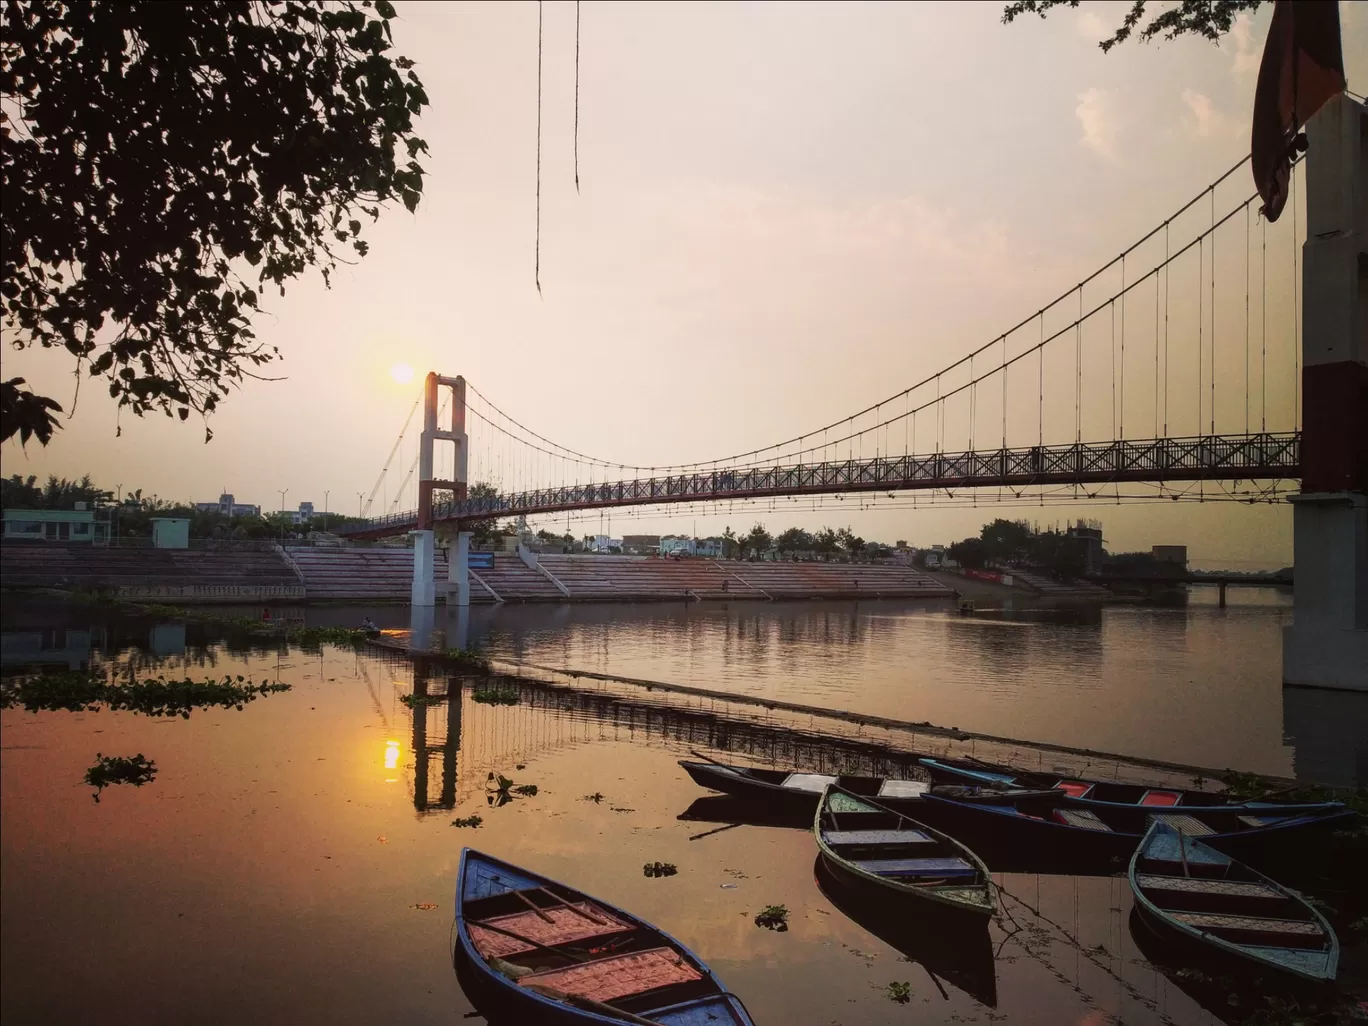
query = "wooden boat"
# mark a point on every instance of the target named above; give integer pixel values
(869, 845)
(1085, 793)
(1188, 888)
(1102, 837)
(537, 951)
(799, 789)
(960, 953)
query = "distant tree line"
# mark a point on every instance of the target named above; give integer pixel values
(1008, 543)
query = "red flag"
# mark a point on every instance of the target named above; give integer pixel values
(1303, 66)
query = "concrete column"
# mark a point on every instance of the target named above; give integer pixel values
(424, 566)
(1327, 643)
(458, 569)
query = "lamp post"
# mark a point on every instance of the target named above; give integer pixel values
(283, 492)
(325, 509)
(359, 497)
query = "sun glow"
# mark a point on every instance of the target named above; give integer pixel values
(402, 373)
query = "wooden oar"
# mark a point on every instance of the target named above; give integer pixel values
(589, 1004)
(573, 907)
(1182, 851)
(715, 830)
(533, 906)
(709, 758)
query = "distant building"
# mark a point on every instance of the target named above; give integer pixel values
(935, 557)
(640, 544)
(228, 507)
(677, 545)
(1176, 554)
(1089, 535)
(303, 514)
(56, 525)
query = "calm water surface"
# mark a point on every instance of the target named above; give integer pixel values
(295, 861)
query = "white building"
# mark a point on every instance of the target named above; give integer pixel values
(228, 507)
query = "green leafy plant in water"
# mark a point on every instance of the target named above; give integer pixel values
(119, 769)
(773, 917)
(499, 790)
(80, 691)
(660, 869)
(596, 797)
(899, 992)
(467, 821)
(414, 701)
(496, 695)
(1359, 927)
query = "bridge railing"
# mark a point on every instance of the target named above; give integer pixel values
(1263, 455)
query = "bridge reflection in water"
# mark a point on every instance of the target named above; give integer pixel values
(457, 740)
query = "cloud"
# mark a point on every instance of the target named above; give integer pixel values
(1203, 120)
(1091, 27)
(1096, 112)
(1244, 49)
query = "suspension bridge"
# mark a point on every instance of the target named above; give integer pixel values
(1218, 357)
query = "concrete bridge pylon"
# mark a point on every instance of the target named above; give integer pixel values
(425, 538)
(1327, 643)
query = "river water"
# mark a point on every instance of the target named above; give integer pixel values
(295, 861)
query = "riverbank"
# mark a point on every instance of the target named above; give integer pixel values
(298, 573)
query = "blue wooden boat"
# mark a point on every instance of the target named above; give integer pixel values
(870, 846)
(536, 951)
(1085, 793)
(798, 789)
(1196, 893)
(1102, 837)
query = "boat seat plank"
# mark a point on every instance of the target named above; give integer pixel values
(1250, 924)
(566, 926)
(841, 802)
(619, 976)
(916, 867)
(1081, 818)
(1310, 962)
(875, 837)
(1075, 788)
(1199, 885)
(814, 782)
(486, 881)
(1183, 823)
(1260, 821)
(903, 788)
(1164, 848)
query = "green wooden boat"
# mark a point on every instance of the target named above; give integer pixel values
(1189, 891)
(873, 847)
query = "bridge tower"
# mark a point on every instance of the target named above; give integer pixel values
(425, 537)
(1327, 643)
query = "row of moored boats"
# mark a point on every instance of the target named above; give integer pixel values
(539, 951)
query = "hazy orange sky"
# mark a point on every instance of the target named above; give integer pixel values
(786, 212)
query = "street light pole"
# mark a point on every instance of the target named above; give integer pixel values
(359, 497)
(325, 509)
(283, 492)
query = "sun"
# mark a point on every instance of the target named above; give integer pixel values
(402, 373)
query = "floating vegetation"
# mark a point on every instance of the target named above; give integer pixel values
(660, 869)
(413, 701)
(78, 691)
(467, 821)
(597, 797)
(773, 917)
(499, 790)
(497, 694)
(118, 769)
(899, 992)
(467, 659)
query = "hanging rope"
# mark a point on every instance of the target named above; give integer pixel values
(577, 42)
(536, 270)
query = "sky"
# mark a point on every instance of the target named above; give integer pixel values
(786, 212)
